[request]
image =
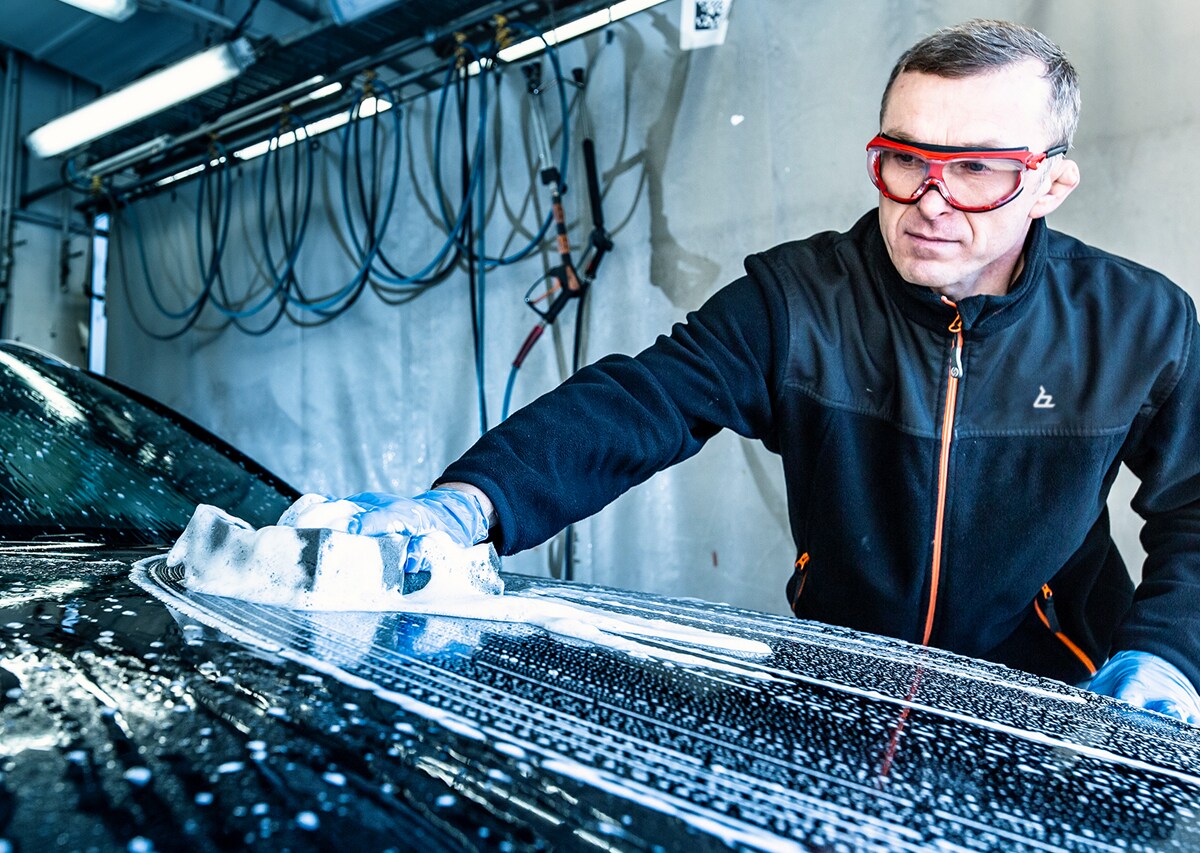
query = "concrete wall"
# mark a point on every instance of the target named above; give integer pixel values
(706, 156)
(48, 305)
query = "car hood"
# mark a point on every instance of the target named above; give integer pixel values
(136, 715)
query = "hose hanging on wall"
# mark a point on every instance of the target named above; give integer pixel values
(291, 230)
(568, 283)
(291, 291)
(473, 206)
(214, 210)
(368, 199)
(488, 66)
(386, 279)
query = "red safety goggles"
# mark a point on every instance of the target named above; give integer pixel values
(970, 179)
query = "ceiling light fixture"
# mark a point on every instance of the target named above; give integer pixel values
(152, 94)
(573, 29)
(366, 109)
(116, 10)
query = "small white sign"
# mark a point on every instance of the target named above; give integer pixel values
(703, 23)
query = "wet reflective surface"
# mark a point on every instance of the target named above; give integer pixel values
(78, 456)
(138, 726)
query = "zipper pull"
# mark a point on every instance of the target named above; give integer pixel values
(955, 327)
(956, 368)
(1048, 609)
(802, 570)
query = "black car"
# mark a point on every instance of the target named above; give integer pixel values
(138, 715)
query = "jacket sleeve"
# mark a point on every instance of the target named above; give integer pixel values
(1165, 616)
(617, 422)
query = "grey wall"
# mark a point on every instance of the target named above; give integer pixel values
(48, 305)
(384, 397)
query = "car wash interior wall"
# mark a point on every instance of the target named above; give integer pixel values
(44, 244)
(347, 362)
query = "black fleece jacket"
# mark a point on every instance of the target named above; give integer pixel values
(967, 511)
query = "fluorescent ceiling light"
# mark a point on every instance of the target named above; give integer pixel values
(187, 173)
(323, 92)
(152, 94)
(573, 29)
(117, 10)
(285, 139)
(368, 108)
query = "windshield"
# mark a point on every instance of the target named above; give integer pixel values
(80, 457)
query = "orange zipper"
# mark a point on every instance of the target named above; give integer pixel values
(1050, 620)
(802, 567)
(956, 372)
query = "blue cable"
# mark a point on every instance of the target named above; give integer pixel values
(481, 214)
(446, 246)
(564, 156)
(193, 309)
(287, 281)
(508, 390)
(282, 282)
(211, 272)
(196, 308)
(375, 230)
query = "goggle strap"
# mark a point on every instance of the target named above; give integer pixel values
(955, 149)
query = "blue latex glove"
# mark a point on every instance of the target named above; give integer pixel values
(455, 513)
(1150, 682)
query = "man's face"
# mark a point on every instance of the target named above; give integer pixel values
(931, 243)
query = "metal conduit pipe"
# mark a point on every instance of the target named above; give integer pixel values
(8, 178)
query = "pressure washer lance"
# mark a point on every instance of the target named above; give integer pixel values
(568, 284)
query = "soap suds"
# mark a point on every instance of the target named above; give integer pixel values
(329, 570)
(321, 568)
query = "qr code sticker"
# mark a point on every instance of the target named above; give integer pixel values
(709, 14)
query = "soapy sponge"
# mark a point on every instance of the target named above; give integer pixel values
(320, 568)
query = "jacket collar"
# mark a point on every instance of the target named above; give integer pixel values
(981, 315)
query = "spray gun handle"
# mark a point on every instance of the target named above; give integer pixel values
(570, 286)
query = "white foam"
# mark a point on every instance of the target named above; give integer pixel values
(277, 565)
(317, 568)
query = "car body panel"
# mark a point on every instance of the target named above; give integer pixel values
(307, 730)
(138, 715)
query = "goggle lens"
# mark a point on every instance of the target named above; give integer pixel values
(969, 179)
(969, 182)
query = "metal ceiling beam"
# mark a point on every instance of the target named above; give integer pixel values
(307, 11)
(182, 7)
(44, 50)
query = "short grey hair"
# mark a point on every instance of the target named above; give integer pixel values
(983, 45)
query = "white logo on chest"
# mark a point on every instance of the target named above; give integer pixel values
(1044, 400)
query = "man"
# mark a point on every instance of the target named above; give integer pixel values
(951, 386)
